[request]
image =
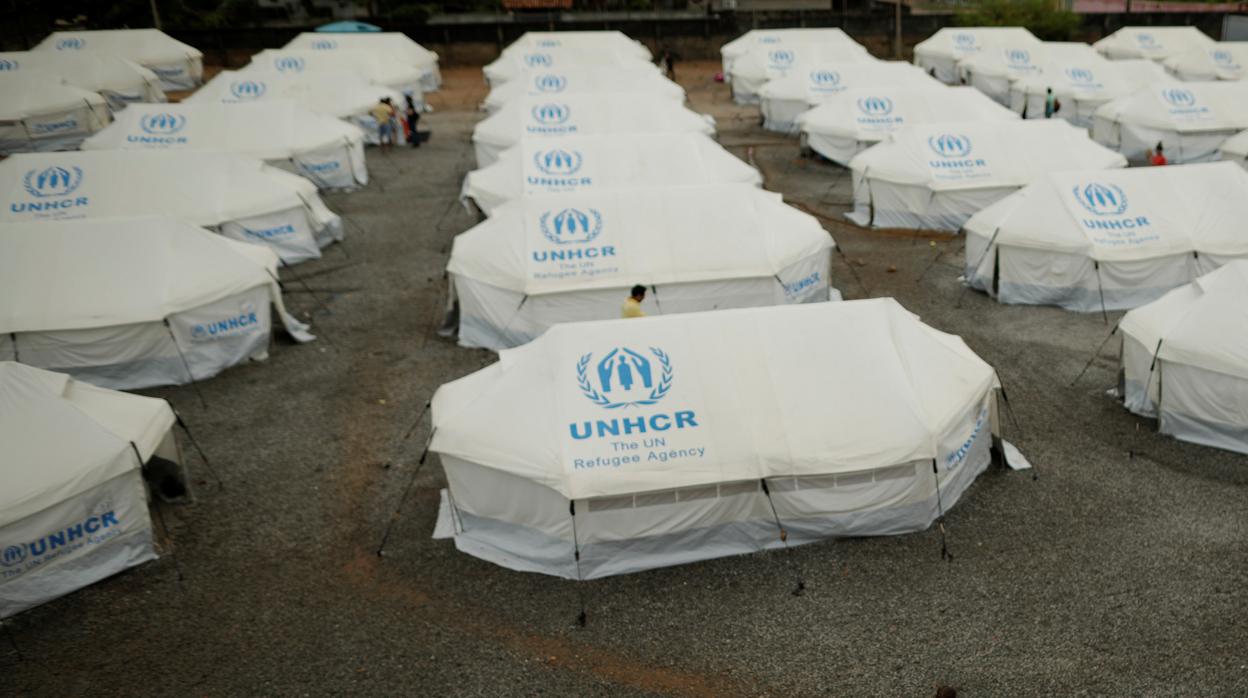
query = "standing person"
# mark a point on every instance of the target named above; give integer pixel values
(668, 64)
(632, 305)
(1051, 105)
(1158, 157)
(383, 113)
(413, 118)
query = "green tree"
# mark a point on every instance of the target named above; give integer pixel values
(1047, 19)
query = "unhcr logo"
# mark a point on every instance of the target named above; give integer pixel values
(1146, 40)
(769, 40)
(289, 64)
(52, 181)
(1102, 199)
(875, 106)
(825, 78)
(538, 60)
(91, 529)
(247, 89)
(550, 83)
(625, 378)
(324, 45)
(1220, 56)
(8, 64)
(557, 161)
(1179, 97)
(245, 322)
(551, 114)
(1080, 75)
(549, 43)
(72, 43)
(571, 225)
(781, 58)
(949, 145)
(162, 123)
(964, 39)
(1018, 58)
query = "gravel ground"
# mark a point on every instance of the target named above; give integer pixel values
(1121, 570)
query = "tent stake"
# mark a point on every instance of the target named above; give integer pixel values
(1095, 354)
(940, 519)
(195, 444)
(385, 536)
(800, 585)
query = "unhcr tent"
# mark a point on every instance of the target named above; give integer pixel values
(117, 80)
(1185, 360)
(388, 46)
(1152, 43)
(991, 71)
(180, 66)
(343, 95)
(611, 40)
(585, 163)
(935, 176)
(612, 447)
(73, 504)
(131, 303)
(1221, 61)
(541, 260)
(1191, 120)
(242, 198)
(1110, 240)
(787, 98)
(859, 118)
(553, 118)
(38, 114)
(1081, 88)
(768, 39)
(368, 65)
(755, 69)
(514, 63)
(1235, 149)
(323, 149)
(940, 53)
(596, 79)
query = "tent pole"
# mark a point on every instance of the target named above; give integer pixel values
(195, 444)
(16, 355)
(381, 548)
(940, 510)
(975, 270)
(320, 183)
(852, 270)
(1095, 354)
(351, 162)
(195, 385)
(582, 618)
(1151, 367)
(514, 315)
(1100, 291)
(160, 514)
(658, 305)
(800, 586)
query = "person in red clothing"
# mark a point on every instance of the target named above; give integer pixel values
(1157, 157)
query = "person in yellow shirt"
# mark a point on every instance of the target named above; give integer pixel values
(383, 112)
(632, 306)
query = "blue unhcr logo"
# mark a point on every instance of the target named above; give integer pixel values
(550, 83)
(949, 145)
(538, 60)
(571, 225)
(1102, 199)
(1179, 97)
(551, 114)
(1080, 75)
(247, 89)
(8, 64)
(825, 78)
(288, 64)
(875, 106)
(73, 43)
(242, 323)
(1018, 58)
(1220, 56)
(625, 378)
(964, 40)
(52, 181)
(324, 44)
(1146, 40)
(162, 124)
(781, 58)
(558, 161)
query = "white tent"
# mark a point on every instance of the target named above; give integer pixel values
(1191, 120)
(116, 79)
(554, 118)
(1082, 88)
(370, 66)
(73, 503)
(935, 176)
(1235, 149)
(1153, 43)
(328, 151)
(991, 71)
(541, 260)
(787, 98)
(1185, 360)
(612, 447)
(242, 198)
(1108, 239)
(753, 70)
(940, 53)
(37, 114)
(635, 78)
(180, 66)
(132, 303)
(611, 40)
(768, 39)
(343, 95)
(1221, 61)
(389, 46)
(859, 118)
(515, 63)
(581, 163)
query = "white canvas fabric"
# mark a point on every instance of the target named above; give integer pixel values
(611, 40)
(940, 53)
(1152, 43)
(40, 114)
(554, 118)
(785, 99)
(1185, 360)
(991, 71)
(388, 46)
(515, 62)
(635, 78)
(117, 80)
(179, 66)
(325, 150)
(344, 95)
(242, 198)
(1235, 149)
(1112, 239)
(1225, 60)
(665, 451)
(132, 303)
(935, 176)
(769, 39)
(541, 260)
(584, 163)
(1190, 120)
(859, 118)
(1083, 87)
(73, 506)
(755, 69)
(368, 65)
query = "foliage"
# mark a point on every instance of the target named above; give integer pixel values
(1047, 19)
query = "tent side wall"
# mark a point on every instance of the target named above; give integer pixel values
(62, 129)
(881, 204)
(780, 115)
(1134, 141)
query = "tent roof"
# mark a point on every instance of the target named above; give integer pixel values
(348, 26)
(818, 82)
(513, 63)
(871, 113)
(958, 42)
(611, 39)
(335, 93)
(62, 437)
(139, 45)
(23, 95)
(366, 63)
(267, 130)
(202, 187)
(798, 60)
(836, 387)
(94, 72)
(983, 154)
(1019, 61)
(1156, 43)
(1095, 80)
(656, 236)
(1203, 324)
(1225, 60)
(1167, 211)
(1186, 107)
(755, 39)
(385, 44)
(106, 272)
(595, 79)
(588, 114)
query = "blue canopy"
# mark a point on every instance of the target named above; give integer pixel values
(348, 27)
